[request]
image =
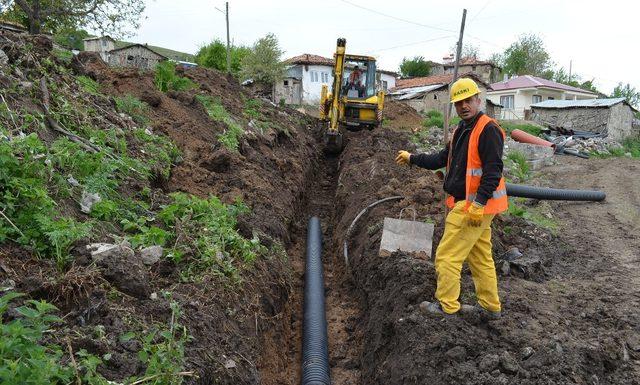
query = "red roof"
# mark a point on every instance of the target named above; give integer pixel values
(432, 80)
(308, 58)
(528, 81)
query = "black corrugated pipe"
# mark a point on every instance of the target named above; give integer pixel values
(315, 350)
(520, 190)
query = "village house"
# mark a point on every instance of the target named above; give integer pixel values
(516, 95)
(609, 117)
(431, 92)
(307, 73)
(487, 71)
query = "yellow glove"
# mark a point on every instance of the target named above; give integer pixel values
(475, 214)
(403, 157)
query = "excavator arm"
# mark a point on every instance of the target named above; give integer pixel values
(333, 137)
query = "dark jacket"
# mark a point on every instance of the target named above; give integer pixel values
(490, 147)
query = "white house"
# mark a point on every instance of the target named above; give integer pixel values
(307, 73)
(516, 95)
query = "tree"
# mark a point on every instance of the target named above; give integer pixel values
(527, 56)
(468, 51)
(263, 63)
(214, 55)
(415, 67)
(628, 92)
(71, 38)
(116, 17)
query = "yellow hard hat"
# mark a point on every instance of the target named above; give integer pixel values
(463, 88)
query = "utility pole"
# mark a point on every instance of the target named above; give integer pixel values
(228, 42)
(570, 63)
(455, 75)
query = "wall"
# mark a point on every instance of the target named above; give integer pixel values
(311, 89)
(523, 99)
(621, 122)
(583, 119)
(102, 45)
(390, 79)
(485, 72)
(135, 56)
(290, 92)
(438, 100)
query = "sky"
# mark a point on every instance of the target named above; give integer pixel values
(597, 38)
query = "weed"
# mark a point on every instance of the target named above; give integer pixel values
(519, 167)
(252, 108)
(420, 137)
(133, 107)
(64, 55)
(208, 226)
(629, 145)
(230, 138)
(88, 85)
(167, 79)
(518, 209)
(161, 152)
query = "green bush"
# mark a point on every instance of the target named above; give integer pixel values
(133, 107)
(519, 166)
(434, 114)
(252, 108)
(167, 79)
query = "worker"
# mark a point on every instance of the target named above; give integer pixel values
(355, 81)
(476, 193)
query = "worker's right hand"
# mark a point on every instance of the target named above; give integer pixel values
(403, 157)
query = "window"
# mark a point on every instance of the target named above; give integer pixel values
(550, 98)
(536, 99)
(384, 85)
(325, 77)
(507, 101)
(286, 82)
(435, 96)
(314, 76)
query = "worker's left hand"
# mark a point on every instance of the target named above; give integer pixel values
(403, 157)
(475, 214)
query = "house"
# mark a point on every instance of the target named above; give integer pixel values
(516, 95)
(487, 71)
(101, 45)
(307, 73)
(612, 117)
(430, 92)
(134, 55)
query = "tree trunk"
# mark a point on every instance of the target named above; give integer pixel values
(35, 21)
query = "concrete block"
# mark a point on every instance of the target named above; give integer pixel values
(408, 236)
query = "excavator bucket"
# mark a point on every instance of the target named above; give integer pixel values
(333, 142)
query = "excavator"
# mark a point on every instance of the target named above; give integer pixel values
(353, 103)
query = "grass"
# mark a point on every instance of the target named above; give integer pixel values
(133, 107)
(434, 118)
(519, 167)
(230, 138)
(88, 85)
(533, 215)
(252, 108)
(629, 145)
(532, 129)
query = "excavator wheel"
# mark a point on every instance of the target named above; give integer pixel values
(333, 142)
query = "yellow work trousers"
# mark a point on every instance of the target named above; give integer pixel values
(460, 243)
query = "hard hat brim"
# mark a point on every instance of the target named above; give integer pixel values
(463, 97)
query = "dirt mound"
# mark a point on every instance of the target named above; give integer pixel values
(400, 116)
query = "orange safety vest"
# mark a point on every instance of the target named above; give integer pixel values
(499, 201)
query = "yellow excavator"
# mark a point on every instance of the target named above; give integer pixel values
(353, 102)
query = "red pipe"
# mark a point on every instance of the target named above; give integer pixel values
(524, 137)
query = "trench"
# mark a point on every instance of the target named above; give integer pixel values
(342, 307)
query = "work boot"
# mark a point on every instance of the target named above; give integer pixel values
(433, 308)
(483, 313)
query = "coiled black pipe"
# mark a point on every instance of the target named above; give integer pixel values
(315, 350)
(520, 190)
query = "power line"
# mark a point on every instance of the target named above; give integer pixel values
(398, 18)
(414, 43)
(480, 11)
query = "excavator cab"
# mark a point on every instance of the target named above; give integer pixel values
(353, 103)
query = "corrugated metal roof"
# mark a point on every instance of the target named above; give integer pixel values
(413, 92)
(578, 103)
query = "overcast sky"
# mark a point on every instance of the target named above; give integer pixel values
(600, 38)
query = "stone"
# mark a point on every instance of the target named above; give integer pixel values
(4, 59)
(512, 254)
(633, 342)
(489, 363)
(120, 267)
(100, 251)
(7, 285)
(508, 363)
(88, 200)
(528, 267)
(151, 254)
(72, 181)
(505, 268)
(457, 353)
(526, 352)
(229, 364)
(153, 296)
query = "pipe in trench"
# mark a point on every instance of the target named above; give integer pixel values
(315, 349)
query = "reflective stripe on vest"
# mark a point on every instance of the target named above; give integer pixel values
(499, 201)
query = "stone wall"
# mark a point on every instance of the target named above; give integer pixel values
(620, 122)
(583, 119)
